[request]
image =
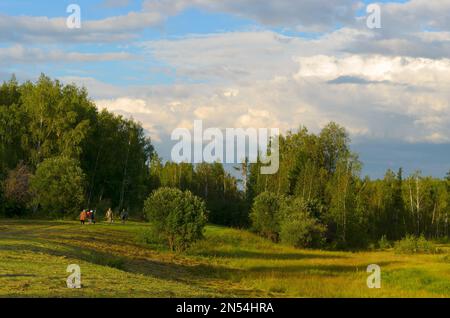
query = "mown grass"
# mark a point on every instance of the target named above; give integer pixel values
(116, 262)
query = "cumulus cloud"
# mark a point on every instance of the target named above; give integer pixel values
(416, 15)
(390, 83)
(416, 28)
(262, 79)
(308, 15)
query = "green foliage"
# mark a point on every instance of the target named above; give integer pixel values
(298, 227)
(266, 216)
(16, 191)
(117, 160)
(383, 243)
(57, 118)
(58, 186)
(446, 258)
(47, 119)
(178, 216)
(227, 205)
(149, 236)
(414, 245)
(321, 169)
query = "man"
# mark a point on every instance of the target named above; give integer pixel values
(109, 216)
(93, 216)
(124, 216)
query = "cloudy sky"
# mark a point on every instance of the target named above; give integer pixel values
(253, 63)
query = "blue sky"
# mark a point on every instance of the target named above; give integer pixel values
(253, 63)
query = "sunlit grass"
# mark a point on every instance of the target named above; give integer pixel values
(115, 262)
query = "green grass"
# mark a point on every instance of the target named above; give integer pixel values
(115, 262)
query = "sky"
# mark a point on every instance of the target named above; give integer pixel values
(252, 63)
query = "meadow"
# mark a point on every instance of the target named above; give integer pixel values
(116, 261)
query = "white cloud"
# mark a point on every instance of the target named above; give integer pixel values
(261, 79)
(305, 15)
(42, 29)
(390, 83)
(22, 54)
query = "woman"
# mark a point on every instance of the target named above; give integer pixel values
(83, 216)
(88, 216)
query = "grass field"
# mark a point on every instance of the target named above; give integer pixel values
(114, 262)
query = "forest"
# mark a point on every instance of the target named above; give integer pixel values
(60, 154)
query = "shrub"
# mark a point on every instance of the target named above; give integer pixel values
(446, 258)
(265, 215)
(16, 190)
(424, 246)
(58, 186)
(302, 230)
(406, 245)
(384, 243)
(180, 217)
(443, 240)
(298, 227)
(412, 245)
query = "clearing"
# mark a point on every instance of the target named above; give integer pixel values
(115, 262)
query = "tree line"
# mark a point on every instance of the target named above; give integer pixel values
(319, 187)
(60, 154)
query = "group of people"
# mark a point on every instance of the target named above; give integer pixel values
(89, 215)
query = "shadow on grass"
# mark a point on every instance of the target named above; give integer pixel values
(16, 275)
(264, 255)
(196, 274)
(320, 269)
(33, 223)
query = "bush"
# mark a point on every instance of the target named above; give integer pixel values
(16, 191)
(265, 215)
(180, 217)
(446, 258)
(58, 186)
(302, 230)
(298, 227)
(383, 243)
(443, 240)
(414, 245)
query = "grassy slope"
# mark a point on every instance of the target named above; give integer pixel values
(34, 256)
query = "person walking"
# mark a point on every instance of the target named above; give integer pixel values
(124, 216)
(83, 217)
(109, 216)
(88, 216)
(93, 216)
